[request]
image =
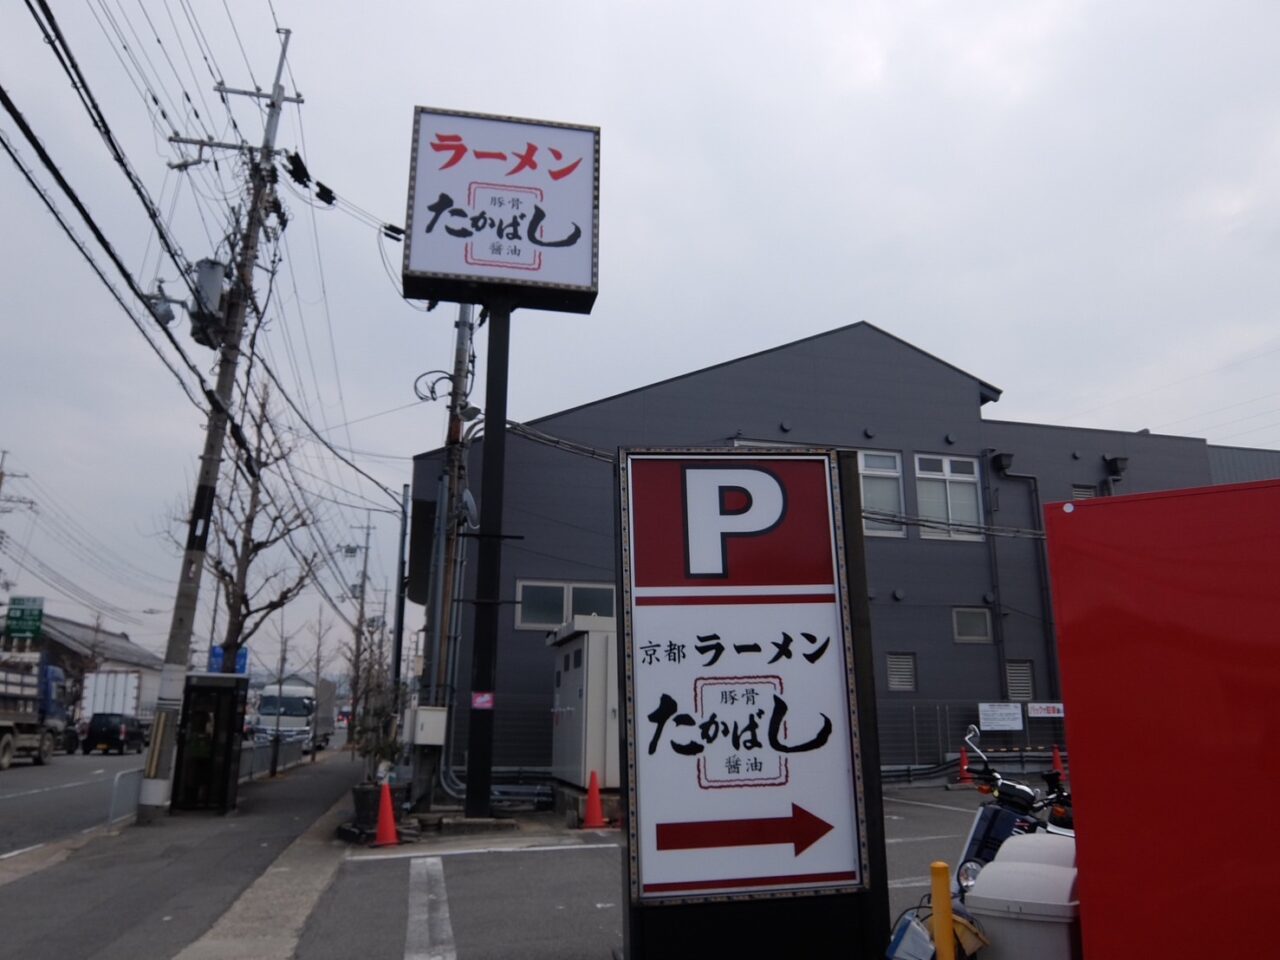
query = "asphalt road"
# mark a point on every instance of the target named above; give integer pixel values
(558, 900)
(68, 795)
(148, 892)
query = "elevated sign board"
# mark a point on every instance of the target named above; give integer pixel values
(743, 747)
(502, 208)
(24, 616)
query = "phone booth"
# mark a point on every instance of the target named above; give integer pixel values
(207, 771)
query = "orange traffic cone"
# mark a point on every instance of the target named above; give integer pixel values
(595, 812)
(1057, 763)
(387, 836)
(964, 767)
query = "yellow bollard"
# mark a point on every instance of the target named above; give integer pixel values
(944, 936)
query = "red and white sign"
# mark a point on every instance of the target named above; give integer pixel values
(481, 701)
(499, 205)
(1040, 711)
(742, 743)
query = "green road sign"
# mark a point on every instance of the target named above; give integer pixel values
(24, 617)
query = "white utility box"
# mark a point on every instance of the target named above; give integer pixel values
(584, 712)
(429, 726)
(1025, 899)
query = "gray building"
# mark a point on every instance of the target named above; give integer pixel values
(959, 591)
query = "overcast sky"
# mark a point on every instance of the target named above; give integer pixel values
(1078, 202)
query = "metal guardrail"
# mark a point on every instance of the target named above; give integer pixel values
(255, 759)
(125, 789)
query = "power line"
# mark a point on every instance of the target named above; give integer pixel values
(319, 436)
(84, 252)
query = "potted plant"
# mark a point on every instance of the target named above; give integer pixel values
(377, 741)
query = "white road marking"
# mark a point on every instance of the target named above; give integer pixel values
(32, 793)
(409, 853)
(941, 836)
(429, 935)
(14, 853)
(933, 806)
(910, 882)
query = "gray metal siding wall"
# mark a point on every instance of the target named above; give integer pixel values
(858, 388)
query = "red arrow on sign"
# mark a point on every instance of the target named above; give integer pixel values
(802, 829)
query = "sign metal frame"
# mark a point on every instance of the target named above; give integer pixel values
(627, 638)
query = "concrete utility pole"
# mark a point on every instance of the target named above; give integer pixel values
(445, 546)
(356, 660)
(284, 657)
(158, 773)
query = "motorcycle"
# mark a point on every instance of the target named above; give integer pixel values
(1014, 808)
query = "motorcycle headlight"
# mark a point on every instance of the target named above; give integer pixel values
(967, 875)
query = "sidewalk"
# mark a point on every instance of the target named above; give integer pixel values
(175, 888)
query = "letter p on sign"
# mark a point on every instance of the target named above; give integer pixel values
(726, 502)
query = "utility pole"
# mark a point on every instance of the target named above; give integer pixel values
(284, 656)
(158, 773)
(445, 547)
(401, 586)
(356, 660)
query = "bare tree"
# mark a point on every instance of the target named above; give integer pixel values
(256, 579)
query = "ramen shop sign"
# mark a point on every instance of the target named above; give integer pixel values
(502, 208)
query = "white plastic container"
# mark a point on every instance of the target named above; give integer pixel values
(1026, 900)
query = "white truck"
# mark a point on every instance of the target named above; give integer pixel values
(298, 711)
(130, 692)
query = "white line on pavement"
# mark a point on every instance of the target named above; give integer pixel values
(14, 853)
(910, 882)
(429, 935)
(941, 836)
(411, 853)
(934, 806)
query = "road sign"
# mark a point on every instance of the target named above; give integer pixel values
(24, 617)
(216, 655)
(742, 745)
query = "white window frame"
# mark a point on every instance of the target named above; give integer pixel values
(566, 600)
(969, 638)
(896, 474)
(950, 479)
(905, 659)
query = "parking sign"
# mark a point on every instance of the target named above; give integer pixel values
(743, 753)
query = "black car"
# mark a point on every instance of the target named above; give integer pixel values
(114, 731)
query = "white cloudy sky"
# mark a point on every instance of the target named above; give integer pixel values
(1076, 201)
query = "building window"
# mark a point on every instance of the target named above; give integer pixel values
(881, 480)
(542, 605)
(902, 672)
(947, 490)
(971, 624)
(1021, 680)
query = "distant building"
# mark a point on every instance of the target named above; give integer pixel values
(85, 648)
(956, 571)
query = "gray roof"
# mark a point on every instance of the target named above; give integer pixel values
(87, 640)
(1242, 464)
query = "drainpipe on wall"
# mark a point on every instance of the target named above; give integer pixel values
(993, 565)
(1042, 569)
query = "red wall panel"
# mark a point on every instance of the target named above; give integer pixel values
(1167, 609)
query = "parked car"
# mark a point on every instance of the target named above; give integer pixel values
(114, 731)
